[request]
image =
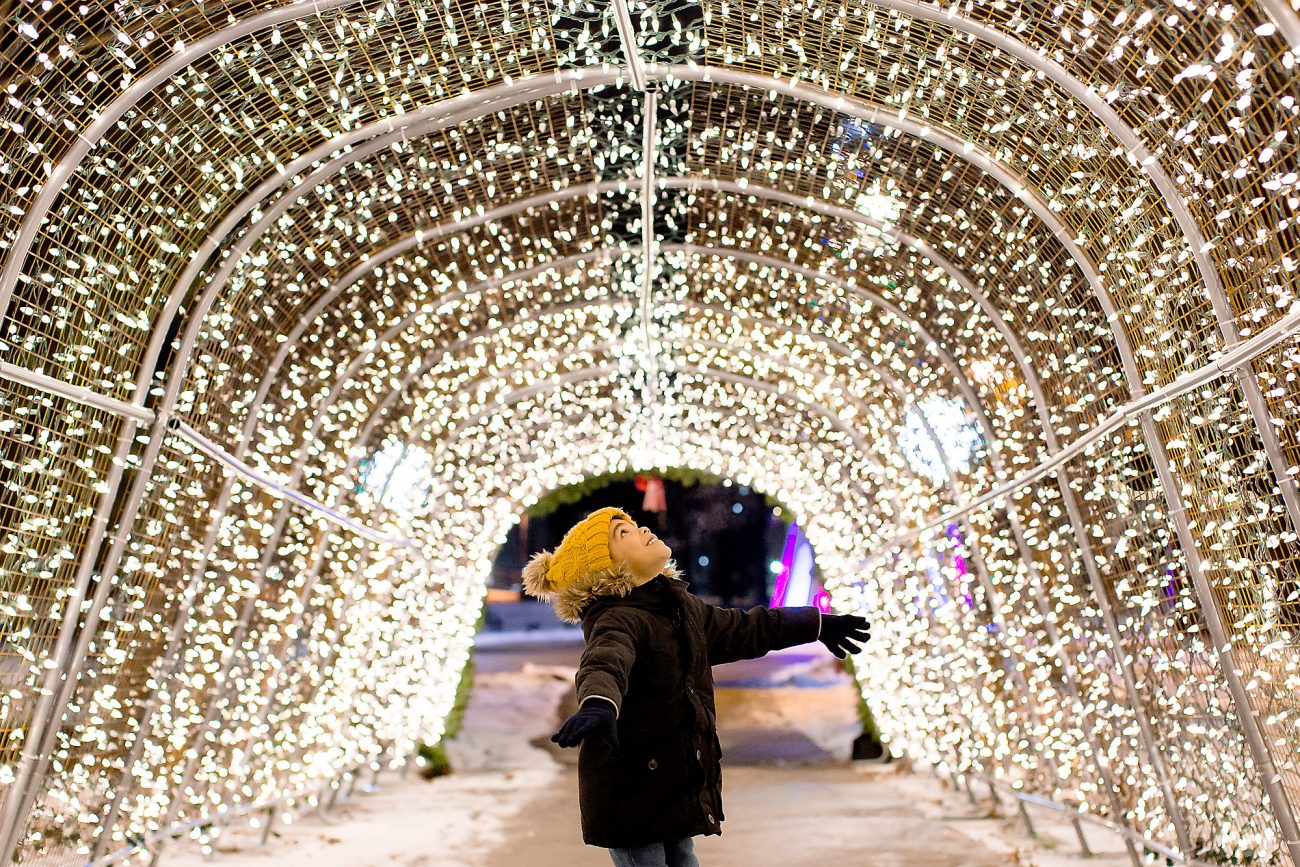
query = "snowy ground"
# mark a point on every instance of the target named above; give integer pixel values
(791, 796)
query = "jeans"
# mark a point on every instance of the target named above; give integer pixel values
(671, 853)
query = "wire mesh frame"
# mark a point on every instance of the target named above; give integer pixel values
(1209, 608)
(246, 615)
(213, 706)
(66, 658)
(233, 258)
(1053, 639)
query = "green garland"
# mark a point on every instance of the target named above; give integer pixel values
(869, 726)
(436, 763)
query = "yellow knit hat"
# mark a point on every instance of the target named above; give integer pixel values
(583, 552)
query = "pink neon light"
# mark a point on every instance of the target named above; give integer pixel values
(787, 560)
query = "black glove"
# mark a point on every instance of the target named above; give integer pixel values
(594, 716)
(837, 629)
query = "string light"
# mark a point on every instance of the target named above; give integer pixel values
(475, 360)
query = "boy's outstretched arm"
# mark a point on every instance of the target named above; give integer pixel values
(607, 659)
(732, 634)
(602, 675)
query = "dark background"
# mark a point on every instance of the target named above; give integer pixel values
(723, 536)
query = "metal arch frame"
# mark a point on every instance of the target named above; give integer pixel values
(271, 546)
(518, 396)
(1287, 20)
(649, 238)
(444, 351)
(525, 393)
(373, 420)
(492, 99)
(762, 260)
(69, 163)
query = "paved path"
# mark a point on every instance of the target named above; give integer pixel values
(792, 798)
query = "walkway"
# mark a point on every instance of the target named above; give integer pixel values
(791, 798)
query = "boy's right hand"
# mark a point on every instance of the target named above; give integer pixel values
(593, 717)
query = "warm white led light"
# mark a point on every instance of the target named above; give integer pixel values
(394, 257)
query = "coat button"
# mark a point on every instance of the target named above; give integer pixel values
(710, 818)
(697, 754)
(652, 764)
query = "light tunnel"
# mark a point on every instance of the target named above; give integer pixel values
(246, 247)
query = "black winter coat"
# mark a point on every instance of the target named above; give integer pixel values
(650, 652)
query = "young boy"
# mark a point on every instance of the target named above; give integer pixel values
(653, 780)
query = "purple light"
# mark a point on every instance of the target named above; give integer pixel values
(823, 601)
(787, 560)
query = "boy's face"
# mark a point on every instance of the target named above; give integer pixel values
(642, 551)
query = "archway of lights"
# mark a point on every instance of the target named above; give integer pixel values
(999, 298)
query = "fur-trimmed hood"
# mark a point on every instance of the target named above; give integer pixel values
(572, 600)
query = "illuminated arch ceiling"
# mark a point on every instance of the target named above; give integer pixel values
(247, 248)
